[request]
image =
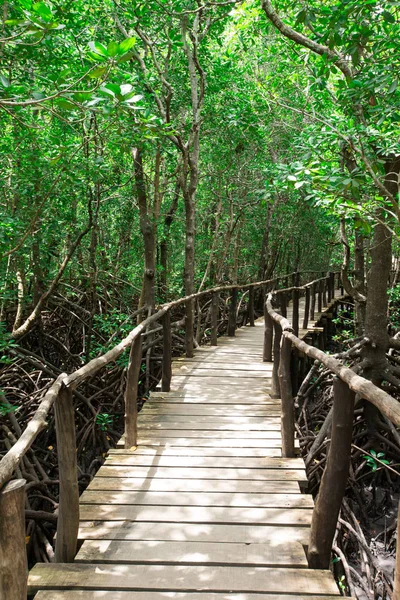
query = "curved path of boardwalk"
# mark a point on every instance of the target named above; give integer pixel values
(204, 508)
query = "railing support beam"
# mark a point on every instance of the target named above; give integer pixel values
(68, 507)
(275, 387)
(131, 392)
(251, 307)
(167, 353)
(13, 562)
(287, 403)
(268, 334)
(232, 313)
(334, 479)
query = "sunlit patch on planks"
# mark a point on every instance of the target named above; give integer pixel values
(204, 508)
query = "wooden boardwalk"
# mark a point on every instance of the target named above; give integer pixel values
(204, 508)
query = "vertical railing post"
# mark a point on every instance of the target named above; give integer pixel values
(189, 328)
(131, 392)
(275, 387)
(295, 301)
(320, 297)
(306, 308)
(312, 306)
(167, 353)
(251, 307)
(13, 562)
(287, 403)
(268, 334)
(334, 479)
(214, 318)
(324, 291)
(68, 504)
(232, 313)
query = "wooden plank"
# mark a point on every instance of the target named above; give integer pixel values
(190, 451)
(254, 399)
(178, 408)
(204, 461)
(222, 534)
(208, 442)
(229, 419)
(192, 485)
(268, 554)
(210, 372)
(204, 473)
(197, 423)
(174, 578)
(224, 358)
(145, 433)
(250, 500)
(203, 514)
(107, 595)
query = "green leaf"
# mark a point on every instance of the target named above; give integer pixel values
(97, 72)
(112, 48)
(292, 178)
(393, 86)
(43, 11)
(126, 45)
(98, 49)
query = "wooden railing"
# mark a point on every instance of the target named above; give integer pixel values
(282, 337)
(59, 395)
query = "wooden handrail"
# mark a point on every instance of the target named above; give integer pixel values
(60, 394)
(346, 385)
(11, 459)
(367, 390)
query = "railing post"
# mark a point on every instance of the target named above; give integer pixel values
(131, 392)
(287, 404)
(275, 387)
(189, 328)
(324, 291)
(68, 506)
(334, 479)
(295, 300)
(268, 334)
(312, 307)
(167, 353)
(13, 562)
(251, 307)
(306, 308)
(320, 297)
(232, 313)
(214, 318)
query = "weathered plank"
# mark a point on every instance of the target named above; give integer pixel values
(195, 451)
(204, 473)
(205, 424)
(226, 373)
(204, 461)
(249, 500)
(152, 407)
(145, 433)
(174, 578)
(107, 595)
(227, 397)
(290, 554)
(207, 442)
(192, 485)
(204, 532)
(190, 514)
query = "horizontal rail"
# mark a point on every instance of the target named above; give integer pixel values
(11, 459)
(367, 390)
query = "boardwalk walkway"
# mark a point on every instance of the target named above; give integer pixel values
(205, 508)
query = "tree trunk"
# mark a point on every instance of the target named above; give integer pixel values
(147, 228)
